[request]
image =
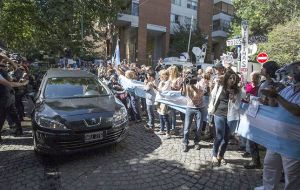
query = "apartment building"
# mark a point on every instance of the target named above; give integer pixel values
(222, 16)
(145, 26)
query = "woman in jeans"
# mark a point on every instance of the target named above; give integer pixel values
(164, 85)
(224, 105)
(175, 82)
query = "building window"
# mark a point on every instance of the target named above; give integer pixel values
(222, 7)
(176, 2)
(192, 4)
(172, 18)
(175, 18)
(135, 9)
(223, 25)
(187, 20)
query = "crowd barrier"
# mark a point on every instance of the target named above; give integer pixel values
(272, 127)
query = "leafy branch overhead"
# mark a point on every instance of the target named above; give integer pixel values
(51, 25)
(270, 17)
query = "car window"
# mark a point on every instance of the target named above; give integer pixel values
(73, 87)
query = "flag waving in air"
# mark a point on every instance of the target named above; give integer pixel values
(117, 54)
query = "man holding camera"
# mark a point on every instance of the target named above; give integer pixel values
(195, 108)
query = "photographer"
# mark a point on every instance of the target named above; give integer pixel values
(195, 107)
(289, 99)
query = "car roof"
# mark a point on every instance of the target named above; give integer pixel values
(52, 73)
(179, 63)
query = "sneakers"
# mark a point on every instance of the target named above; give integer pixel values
(197, 146)
(161, 133)
(252, 165)
(185, 148)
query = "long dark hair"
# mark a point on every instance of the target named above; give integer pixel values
(235, 86)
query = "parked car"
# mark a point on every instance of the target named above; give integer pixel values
(75, 111)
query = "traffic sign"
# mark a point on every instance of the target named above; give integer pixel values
(251, 40)
(234, 42)
(262, 57)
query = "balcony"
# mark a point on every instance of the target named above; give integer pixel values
(219, 34)
(127, 20)
(129, 16)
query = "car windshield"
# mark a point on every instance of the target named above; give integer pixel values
(74, 87)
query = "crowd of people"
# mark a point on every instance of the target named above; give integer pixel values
(214, 96)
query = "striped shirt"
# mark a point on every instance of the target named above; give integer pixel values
(290, 94)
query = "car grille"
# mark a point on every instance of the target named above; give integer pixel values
(73, 144)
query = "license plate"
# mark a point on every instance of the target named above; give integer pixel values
(88, 137)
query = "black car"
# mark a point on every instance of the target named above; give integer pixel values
(75, 111)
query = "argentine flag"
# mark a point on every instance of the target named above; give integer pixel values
(117, 54)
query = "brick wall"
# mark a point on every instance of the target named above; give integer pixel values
(204, 19)
(153, 12)
(204, 15)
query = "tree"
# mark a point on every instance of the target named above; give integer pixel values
(17, 24)
(284, 42)
(269, 17)
(180, 38)
(263, 15)
(52, 25)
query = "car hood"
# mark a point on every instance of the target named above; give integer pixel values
(78, 106)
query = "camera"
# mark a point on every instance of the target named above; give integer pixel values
(190, 79)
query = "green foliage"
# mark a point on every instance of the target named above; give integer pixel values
(279, 19)
(284, 42)
(51, 25)
(263, 15)
(180, 38)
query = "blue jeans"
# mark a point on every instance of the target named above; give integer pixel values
(150, 111)
(134, 106)
(244, 143)
(189, 115)
(173, 119)
(222, 134)
(164, 122)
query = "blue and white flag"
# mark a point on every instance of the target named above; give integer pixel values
(117, 54)
(272, 127)
(173, 99)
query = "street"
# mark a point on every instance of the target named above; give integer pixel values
(142, 161)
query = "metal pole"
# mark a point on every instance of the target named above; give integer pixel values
(81, 26)
(188, 49)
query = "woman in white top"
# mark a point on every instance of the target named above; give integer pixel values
(224, 105)
(164, 85)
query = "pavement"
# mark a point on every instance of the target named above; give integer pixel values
(142, 161)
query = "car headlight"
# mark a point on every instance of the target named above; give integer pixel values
(49, 123)
(120, 117)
